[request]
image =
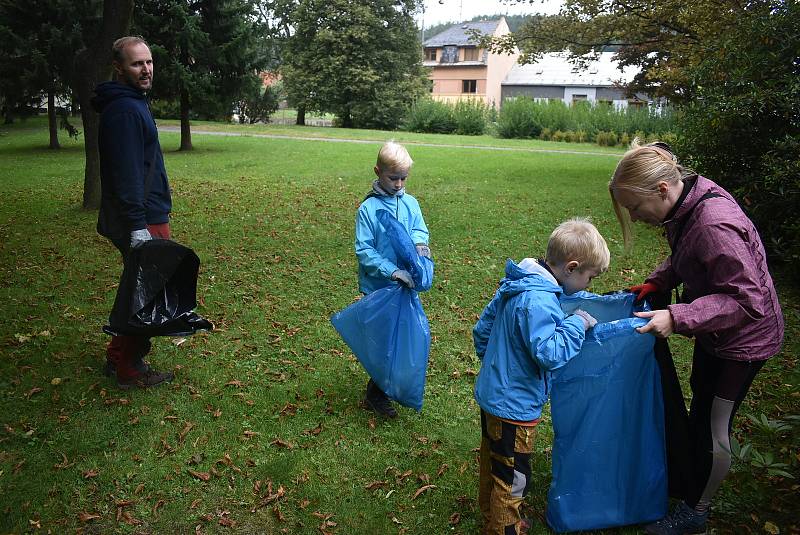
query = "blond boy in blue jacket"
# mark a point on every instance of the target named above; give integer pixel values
(521, 336)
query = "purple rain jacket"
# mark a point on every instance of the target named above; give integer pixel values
(729, 302)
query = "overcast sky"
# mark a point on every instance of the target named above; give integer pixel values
(437, 11)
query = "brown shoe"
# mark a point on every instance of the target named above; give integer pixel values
(147, 379)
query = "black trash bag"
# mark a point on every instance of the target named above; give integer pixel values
(157, 292)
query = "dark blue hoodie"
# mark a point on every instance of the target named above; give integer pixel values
(128, 143)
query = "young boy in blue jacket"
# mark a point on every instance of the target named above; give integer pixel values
(377, 262)
(521, 336)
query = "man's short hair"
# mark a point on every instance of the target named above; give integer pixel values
(577, 239)
(393, 156)
(117, 49)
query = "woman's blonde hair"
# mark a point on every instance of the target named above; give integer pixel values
(640, 171)
(393, 156)
(577, 239)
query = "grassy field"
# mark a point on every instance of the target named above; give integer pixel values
(262, 430)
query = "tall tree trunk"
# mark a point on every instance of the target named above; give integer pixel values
(52, 120)
(186, 129)
(93, 65)
(301, 116)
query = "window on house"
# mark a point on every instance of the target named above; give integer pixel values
(636, 103)
(470, 54)
(578, 98)
(604, 102)
(469, 86)
(430, 54)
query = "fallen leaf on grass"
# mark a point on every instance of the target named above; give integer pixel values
(313, 432)
(203, 476)
(187, 426)
(290, 409)
(442, 470)
(85, 517)
(195, 503)
(250, 434)
(32, 391)
(88, 474)
(235, 383)
(771, 528)
(158, 505)
(63, 464)
(278, 514)
(422, 489)
(282, 443)
(376, 485)
(455, 518)
(227, 522)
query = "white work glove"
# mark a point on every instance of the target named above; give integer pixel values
(588, 319)
(138, 237)
(404, 277)
(424, 250)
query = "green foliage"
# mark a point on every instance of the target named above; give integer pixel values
(518, 119)
(744, 131)
(356, 59)
(260, 103)
(470, 116)
(432, 116)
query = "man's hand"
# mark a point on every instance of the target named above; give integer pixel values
(661, 323)
(423, 250)
(588, 319)
(404, 277)
(138, 237)
(642, 290)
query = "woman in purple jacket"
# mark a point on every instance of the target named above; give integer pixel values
(728, 304)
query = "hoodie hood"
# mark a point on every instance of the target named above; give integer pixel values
(108, 92)
(527, 275)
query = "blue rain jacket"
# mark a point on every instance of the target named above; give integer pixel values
(520, 337)
(376, 256)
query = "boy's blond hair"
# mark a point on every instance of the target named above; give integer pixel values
(393, 156)
(577, 239)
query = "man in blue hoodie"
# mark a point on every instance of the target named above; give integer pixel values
(521, 336)
(136, 199)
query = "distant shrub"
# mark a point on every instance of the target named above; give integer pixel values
(546, 134)
(518, 119)
(470, 117)
(432, 116)
(558, 135)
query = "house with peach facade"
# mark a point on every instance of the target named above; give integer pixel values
(460, 69)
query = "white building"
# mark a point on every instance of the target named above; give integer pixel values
(554, 77)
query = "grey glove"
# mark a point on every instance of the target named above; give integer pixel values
(423, 250)
(588, 319)
(140, 236)
(404, 277)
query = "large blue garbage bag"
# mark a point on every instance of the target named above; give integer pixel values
(609, 460)
(387, 330)
(419, 267)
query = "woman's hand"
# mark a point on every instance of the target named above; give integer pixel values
(661, 323)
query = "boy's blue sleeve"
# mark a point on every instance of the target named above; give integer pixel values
(482, 329)
(368, 256)
(551, 339)
(419, 230)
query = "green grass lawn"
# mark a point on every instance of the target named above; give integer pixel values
(261, 431)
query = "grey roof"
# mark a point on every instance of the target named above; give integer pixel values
(555, 69)
(457, 33)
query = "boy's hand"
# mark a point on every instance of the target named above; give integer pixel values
(588, 319)
(641, 290)
(661, 323)
(423, 250)
(404, 277)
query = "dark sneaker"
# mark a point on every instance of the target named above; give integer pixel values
(682, 520)
(377, 401)
(147, 379)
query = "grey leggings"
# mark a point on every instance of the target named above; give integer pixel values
(718, 388)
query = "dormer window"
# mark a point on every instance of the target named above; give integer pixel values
(471, 54)
(430, 54)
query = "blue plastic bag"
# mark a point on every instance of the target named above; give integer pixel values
(609, 459)
(419, 267)
(387, 330)
(388, 333)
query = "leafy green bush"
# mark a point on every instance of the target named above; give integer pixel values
(470, 116)
(432, 116)
(258, 105)
(518, 119)
(743, 129)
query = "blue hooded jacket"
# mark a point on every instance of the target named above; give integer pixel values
(520, 337)
(376, 257)
(128, 146)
